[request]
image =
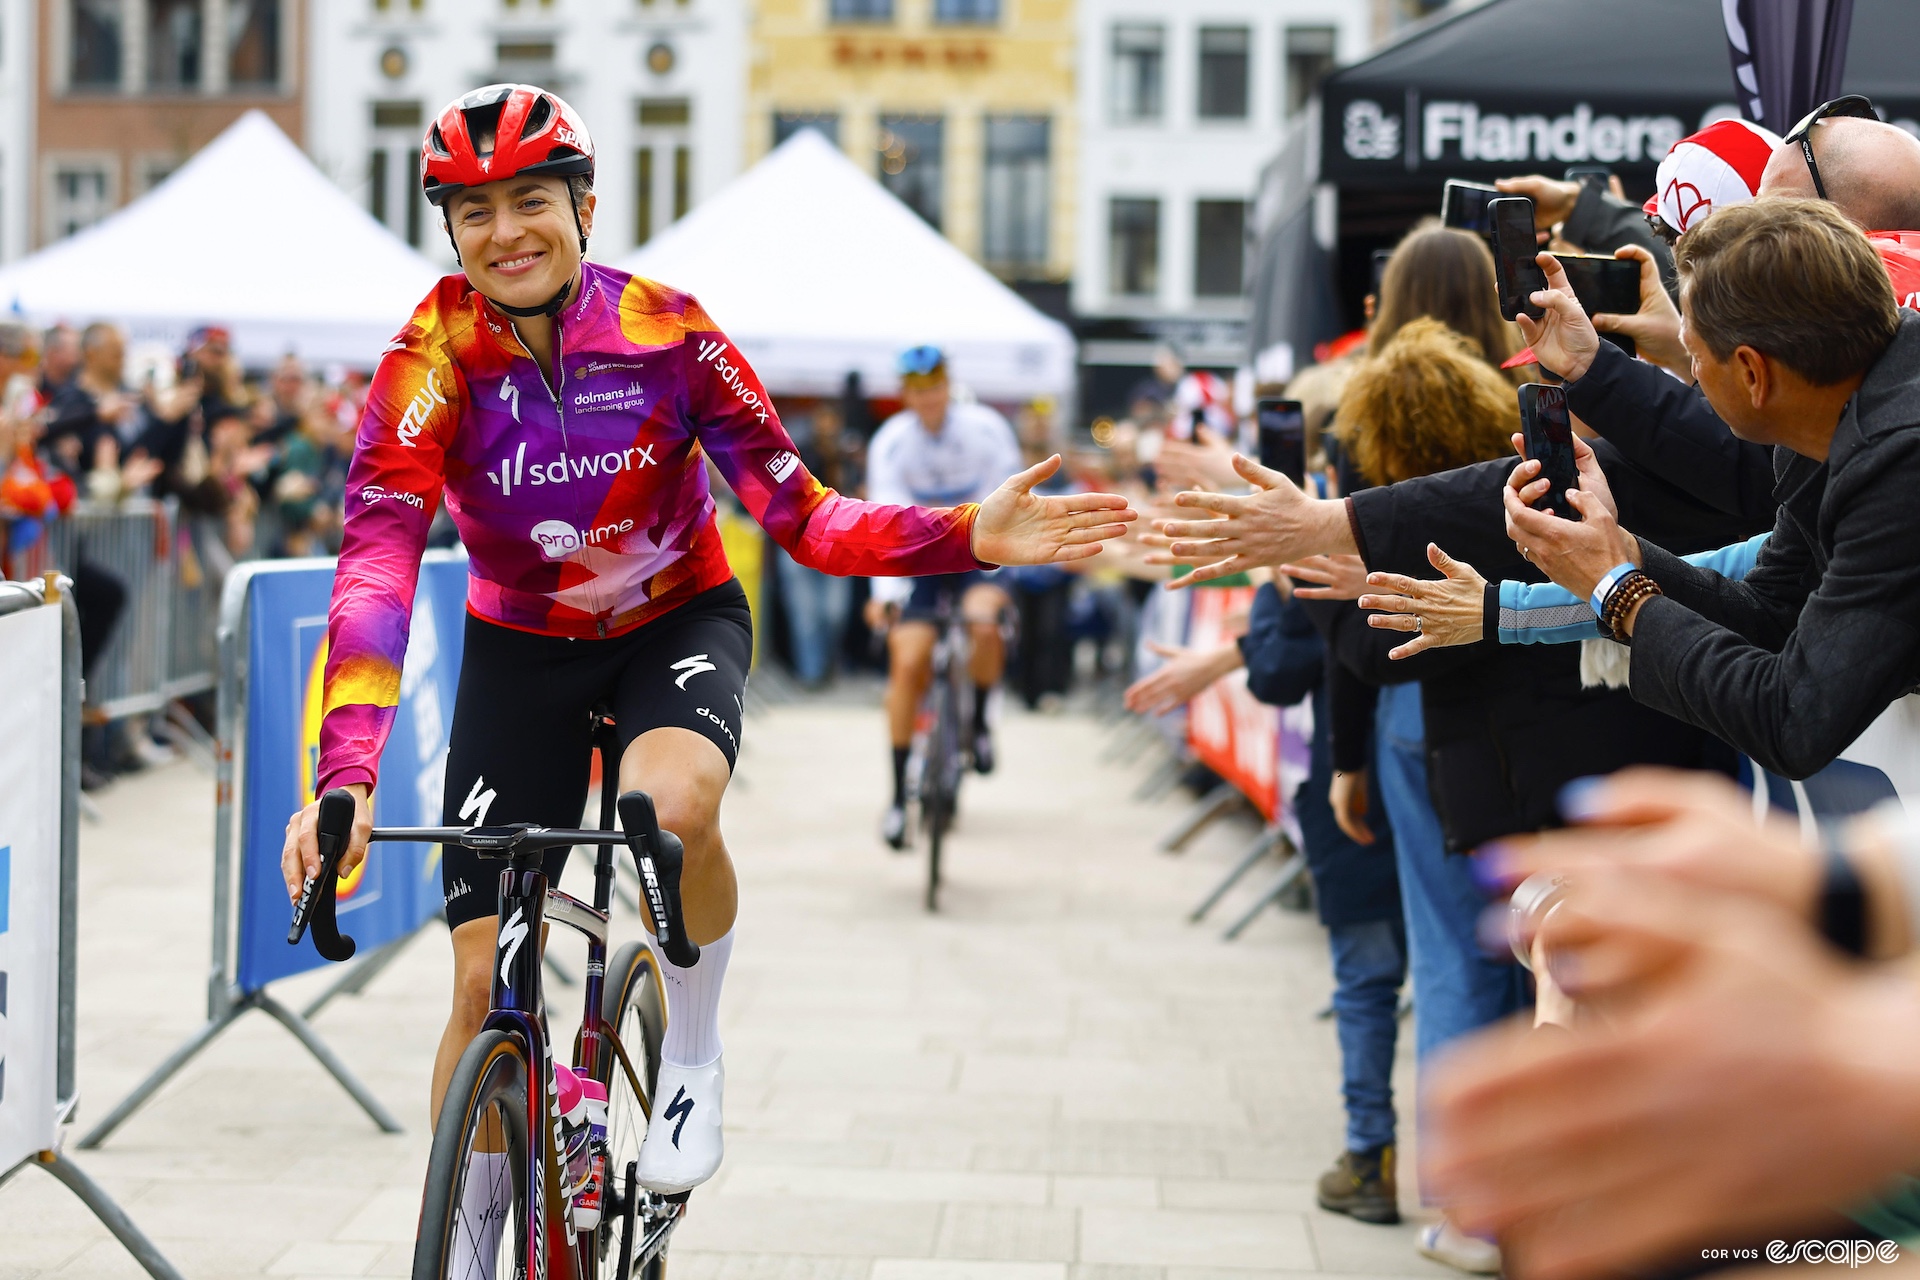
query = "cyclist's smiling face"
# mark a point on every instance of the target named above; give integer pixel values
(516, 238)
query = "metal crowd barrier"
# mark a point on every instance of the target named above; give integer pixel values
(163, 646)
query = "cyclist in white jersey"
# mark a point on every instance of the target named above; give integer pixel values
(939, 451)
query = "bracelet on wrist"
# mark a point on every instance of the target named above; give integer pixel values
(1627, 594)
(1607, 583)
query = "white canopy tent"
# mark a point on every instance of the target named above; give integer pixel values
(815, 271)
(247, 234)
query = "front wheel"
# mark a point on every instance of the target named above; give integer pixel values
(633, 1007)
(480, 1232)
(941, 778)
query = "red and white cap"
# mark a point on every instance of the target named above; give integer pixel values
(1719, 165)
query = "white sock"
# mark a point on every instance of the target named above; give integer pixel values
(484, 1204)
(693, 1005)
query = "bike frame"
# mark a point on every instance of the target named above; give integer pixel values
(517, 1007)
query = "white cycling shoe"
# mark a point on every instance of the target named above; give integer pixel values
(683, 1145)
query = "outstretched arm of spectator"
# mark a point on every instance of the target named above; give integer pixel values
(1185, 673)
(1747, 1082)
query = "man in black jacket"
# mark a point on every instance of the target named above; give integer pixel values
(1798, 343)
(1678, 475)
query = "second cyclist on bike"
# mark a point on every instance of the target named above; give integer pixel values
(937, 451)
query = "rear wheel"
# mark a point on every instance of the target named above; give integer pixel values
(634, 1009)
(485, 1109)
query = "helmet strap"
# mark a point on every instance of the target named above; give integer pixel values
(550, 308)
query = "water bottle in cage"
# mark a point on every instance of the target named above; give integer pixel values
(590, 1194)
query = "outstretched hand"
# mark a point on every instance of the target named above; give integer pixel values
(1273, 524)
(1443, 612)
(1018, 526)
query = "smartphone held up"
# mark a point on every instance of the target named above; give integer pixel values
(1515, 248)
(1548, 431)
(1283, 438)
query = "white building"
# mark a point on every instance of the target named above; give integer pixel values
(17, 114)
(660, 83)
(1181, 104)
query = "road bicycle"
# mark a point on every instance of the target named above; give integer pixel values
(501, 1097)
(941, 755)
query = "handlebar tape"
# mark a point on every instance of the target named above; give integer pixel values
(659, 856)
(317, 901)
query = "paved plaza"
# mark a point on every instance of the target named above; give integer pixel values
(1056, 1078)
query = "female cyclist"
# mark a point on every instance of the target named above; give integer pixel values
(566, 411)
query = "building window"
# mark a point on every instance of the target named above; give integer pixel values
(253, 43)
(643, 195)
(861, 11)
(173, 44)
(82, 194)
(665, 112)
(1133, 248)
(388, 6)
(1018, 192)
(1309, 61)
(682, 181)
(788, 123)
(151, 171)
(1223, 72)
(413, 196)
(910, 162)
(95, 60)
(397, 115)
(1219, 247)
(1139, 60)
(377, 179)
(979, 12)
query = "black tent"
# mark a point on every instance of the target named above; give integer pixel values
(1531, 86)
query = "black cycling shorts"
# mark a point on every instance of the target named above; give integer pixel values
(522, 740)
(924, 604)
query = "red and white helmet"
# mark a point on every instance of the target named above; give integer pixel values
(502, 131)
(1720, 165)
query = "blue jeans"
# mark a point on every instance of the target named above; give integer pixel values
(1369, 964)
(816, 606)
(1456, 988)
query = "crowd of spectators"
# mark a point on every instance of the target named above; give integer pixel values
(255, 467)
(1658, 1029)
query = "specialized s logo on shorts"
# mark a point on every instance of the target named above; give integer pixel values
(691, 667)
(474, 808)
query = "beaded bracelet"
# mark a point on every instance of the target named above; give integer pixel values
(1628, 593)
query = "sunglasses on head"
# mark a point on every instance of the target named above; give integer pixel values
(1855, 106)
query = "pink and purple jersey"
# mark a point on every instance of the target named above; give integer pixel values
(584, 507)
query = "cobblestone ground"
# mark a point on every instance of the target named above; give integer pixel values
(1056, 1078)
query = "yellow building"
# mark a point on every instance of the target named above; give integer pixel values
(963, 108)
